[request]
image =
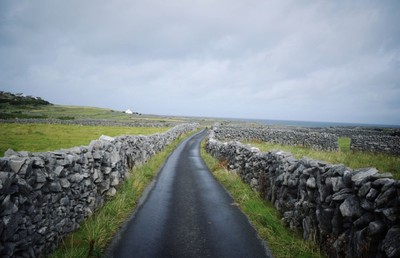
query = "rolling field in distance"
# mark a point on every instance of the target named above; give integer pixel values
(76, 113)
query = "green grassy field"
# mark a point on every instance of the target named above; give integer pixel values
(262, 215)
(75, 113)
(383, 162)
(97, 231)
(45, 137)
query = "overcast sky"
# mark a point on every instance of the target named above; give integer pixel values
(291, 60)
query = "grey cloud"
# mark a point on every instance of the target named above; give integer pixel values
(329, 61)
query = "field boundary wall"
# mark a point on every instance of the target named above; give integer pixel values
(349, 213)
(46, 195)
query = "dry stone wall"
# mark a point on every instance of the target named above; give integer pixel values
(90, 122)
(376, 143)
(44, 196)
(349, 213)
(286, 136)
(362, 139)
(384, 140)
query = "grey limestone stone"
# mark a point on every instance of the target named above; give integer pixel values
(392, 214)
(111, 192)
(65, 183)
(16, 164)
(58, 170)
(7, 206)
(311, 183)
(365, 188)
(337, 183)
(385, 197)
(114, 177)
(364, 220)
(40, 176)
(64, 201)
(342, 194)
(11, 153)
(390, 244)
(55, 186)
(362, 174)
(106, 138)
(378, 183)
(351, 207)
(376, 227)
(372, 194)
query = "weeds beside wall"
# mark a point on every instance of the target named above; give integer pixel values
(44, 196)
(349, 213)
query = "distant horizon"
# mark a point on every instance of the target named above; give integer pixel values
(296, 122)
(266, 121)
(326, 123)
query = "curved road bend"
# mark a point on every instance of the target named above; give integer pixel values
(187, 214)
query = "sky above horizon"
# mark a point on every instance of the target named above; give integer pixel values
(335, 61)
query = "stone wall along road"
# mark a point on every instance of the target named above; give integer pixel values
(44, 196)
(349, 213)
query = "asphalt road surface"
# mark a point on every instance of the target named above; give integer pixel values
(187, 213)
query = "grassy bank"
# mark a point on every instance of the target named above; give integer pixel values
(262, 215)
(383, 162)
(96, 232)
(45, 137)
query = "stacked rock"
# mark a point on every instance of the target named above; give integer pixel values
(349, 213)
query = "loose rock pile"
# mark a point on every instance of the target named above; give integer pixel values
(45, 195)
(349, 213)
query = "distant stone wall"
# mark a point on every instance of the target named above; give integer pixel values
(89, 122)
(362, 139)
(382, 140)
(349, 213)
(44, 196)
(376, 143)
(294, 137)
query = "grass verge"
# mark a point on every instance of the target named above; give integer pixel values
(97, 231)
(262, 215)
(344, 144)
(45, 137)
(383, 162)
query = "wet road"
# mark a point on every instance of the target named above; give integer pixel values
(187, 213)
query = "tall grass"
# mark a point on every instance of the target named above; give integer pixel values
(97, 231)
(262, 215)
(383, 162)
(45, 137)
(344, 144)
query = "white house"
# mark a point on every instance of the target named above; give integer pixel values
(128, 111)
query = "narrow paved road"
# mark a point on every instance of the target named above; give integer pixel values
(187, 214)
